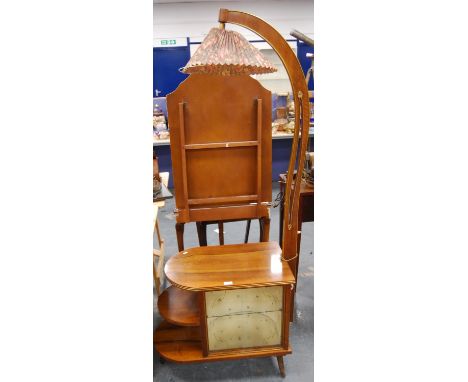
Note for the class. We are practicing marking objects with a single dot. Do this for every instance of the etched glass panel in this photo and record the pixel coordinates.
(244, 330)
(225, 302)
(244, 318)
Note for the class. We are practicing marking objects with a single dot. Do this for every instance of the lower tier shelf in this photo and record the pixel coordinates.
(167, 332)
(183, 345)
(191, 351)
(179, 307)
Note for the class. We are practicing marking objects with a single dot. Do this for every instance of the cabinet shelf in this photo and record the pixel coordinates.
(211, 319)
(179, 307)
(167, 332)
(189, 352)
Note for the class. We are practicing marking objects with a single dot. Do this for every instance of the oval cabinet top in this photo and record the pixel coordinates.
(229, 267)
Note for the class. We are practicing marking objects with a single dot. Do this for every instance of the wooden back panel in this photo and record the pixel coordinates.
(220, 147)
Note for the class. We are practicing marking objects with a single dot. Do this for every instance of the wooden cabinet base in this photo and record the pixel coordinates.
(183, 344)
(171, 346)
(225, 303)
(191, 352)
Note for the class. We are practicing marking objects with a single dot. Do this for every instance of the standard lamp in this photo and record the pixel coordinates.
(225, 52)
(235, 301)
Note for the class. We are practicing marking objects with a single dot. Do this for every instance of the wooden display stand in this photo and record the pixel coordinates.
(233, 301)
(226, 302)
(221, 152)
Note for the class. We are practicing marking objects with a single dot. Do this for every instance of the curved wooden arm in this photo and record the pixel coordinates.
(301, 100)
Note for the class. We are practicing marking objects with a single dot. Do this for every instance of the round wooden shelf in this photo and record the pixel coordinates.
(191, 351)
(179, 307)
(167, 332)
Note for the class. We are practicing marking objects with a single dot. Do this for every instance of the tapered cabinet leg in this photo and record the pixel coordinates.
(281, 365)
(180, 235)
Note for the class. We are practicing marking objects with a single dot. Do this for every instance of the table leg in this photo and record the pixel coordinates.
(180, 235)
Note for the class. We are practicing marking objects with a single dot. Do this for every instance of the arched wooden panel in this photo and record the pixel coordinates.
(221, 147)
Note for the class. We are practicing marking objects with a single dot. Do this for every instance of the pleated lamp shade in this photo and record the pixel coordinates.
(227, 53)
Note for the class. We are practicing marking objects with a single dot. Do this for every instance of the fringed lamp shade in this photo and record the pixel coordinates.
(227, 53)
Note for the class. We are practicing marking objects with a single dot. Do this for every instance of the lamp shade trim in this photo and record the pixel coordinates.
(227, 52)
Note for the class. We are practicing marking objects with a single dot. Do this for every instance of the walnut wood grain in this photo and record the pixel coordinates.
(223, 200)
(220, 146)
(225, 213)
(191, 351)
(179, 307)
(229, 267)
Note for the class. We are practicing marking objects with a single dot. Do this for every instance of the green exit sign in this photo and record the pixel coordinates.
(168, 42)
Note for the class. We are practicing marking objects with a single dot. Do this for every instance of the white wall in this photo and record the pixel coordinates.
(194, 20)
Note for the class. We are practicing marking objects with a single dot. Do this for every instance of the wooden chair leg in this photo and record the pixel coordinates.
(201, 232)
(221, 233)
(205, 227)
(158, 234)
(247, 231)
(180, 235)
(281, 365)
(158, 260)
(155, 278)
(260, 225)
(265, 229)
